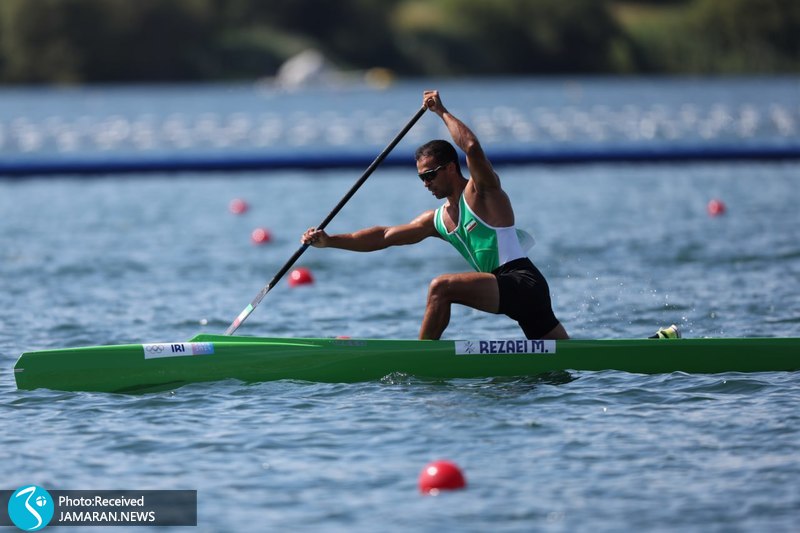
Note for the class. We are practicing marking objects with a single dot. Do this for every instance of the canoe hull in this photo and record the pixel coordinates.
(147, 367)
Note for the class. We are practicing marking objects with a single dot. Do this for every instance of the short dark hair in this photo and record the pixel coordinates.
(441, 151)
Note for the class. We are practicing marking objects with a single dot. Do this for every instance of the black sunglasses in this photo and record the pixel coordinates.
(429, 175)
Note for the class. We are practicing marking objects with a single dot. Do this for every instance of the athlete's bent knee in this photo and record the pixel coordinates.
(440, 288)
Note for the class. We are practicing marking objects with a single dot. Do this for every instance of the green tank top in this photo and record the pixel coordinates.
(484, 247)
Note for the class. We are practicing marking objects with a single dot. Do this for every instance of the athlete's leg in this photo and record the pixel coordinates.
(557, 333)
(474, 289)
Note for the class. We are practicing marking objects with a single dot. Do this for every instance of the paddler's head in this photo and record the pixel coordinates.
(438, 166)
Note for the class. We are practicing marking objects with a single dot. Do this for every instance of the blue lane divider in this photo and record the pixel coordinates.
(330, 160)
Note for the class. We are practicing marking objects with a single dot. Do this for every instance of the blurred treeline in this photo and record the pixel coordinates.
(80, 41)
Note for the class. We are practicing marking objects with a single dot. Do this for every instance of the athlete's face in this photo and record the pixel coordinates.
(432, 175)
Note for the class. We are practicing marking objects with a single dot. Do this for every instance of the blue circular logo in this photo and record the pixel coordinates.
(31, 508)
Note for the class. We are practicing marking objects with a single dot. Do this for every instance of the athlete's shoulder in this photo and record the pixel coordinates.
(426, 220)
(426, 216)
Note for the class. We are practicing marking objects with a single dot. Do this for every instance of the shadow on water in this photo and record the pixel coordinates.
(504, 384)
(520, 383)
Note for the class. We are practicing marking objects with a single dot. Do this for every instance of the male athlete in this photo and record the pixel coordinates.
(478, 220)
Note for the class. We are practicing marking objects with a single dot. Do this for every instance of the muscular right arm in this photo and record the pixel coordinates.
(483, 175)
(375, 238)
(483, 192)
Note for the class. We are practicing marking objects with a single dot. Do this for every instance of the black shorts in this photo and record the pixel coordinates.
(525, 297)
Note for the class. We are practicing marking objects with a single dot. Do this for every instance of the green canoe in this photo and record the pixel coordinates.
(160, 366)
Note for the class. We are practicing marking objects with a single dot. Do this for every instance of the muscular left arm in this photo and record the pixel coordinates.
(376, 237)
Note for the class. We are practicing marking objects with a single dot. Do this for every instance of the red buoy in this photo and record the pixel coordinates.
(238, 206)
(440, 475)
(716, 207)
(260, 236)
(300, 276)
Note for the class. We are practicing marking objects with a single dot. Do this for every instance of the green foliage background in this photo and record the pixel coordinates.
(81, 41)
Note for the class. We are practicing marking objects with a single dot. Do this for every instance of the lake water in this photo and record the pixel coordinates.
(626, 248)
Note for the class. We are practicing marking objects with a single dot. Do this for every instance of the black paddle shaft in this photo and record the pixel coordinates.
(292, 260)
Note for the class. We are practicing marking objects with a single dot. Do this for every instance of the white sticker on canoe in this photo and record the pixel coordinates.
(505, 347)
(177, 349)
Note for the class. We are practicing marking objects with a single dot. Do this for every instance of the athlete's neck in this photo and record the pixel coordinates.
(457, 191)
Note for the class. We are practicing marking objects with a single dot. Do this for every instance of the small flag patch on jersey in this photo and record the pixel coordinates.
(471, 226)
